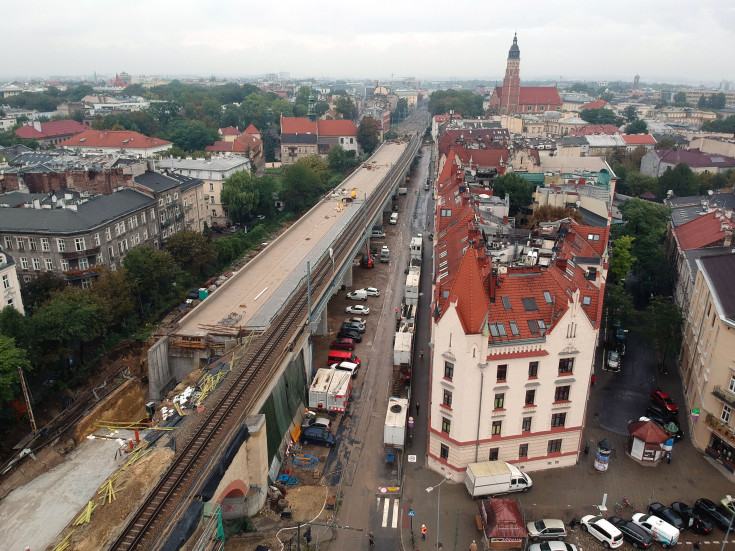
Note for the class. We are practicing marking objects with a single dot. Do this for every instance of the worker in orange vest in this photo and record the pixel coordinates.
(423, 531)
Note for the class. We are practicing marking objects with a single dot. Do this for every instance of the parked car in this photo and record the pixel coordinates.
(603, 530)
(613, 361)
(342, 344)
(349, 334)
(357, 295)
(353, 327)
(692, 520)
(665, 513)
(661, 530)
(661, 398)
(546, 529)
(719, 515)
(660, 411)
(371, 291)
(553, 546)
(395, 207)
(678, 435)
(322, 422)
(637, 536)
(318, 435)
(620, 347)
(358, 309)
(361, 321)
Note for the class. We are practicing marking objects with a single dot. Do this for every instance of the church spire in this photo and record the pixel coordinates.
(312, 104)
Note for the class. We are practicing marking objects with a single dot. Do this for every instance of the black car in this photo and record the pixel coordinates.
(660, 411)
(665, 513)
(691, 519)
(662, 422)
(395, 208)
(719, 516)
(346, 334)
(318, 435)
(353, 326)
(637, 536)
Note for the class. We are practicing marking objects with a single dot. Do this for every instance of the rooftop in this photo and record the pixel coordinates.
(718, 271)
(119, 139)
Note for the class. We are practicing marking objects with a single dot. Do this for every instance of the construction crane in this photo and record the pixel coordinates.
(27, 397)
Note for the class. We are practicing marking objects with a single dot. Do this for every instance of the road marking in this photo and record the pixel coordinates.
(386, 510)
(395, 513)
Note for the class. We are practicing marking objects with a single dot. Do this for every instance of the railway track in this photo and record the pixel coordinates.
(153, 523)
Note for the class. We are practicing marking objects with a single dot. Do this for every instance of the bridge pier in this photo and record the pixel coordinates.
(322, 325)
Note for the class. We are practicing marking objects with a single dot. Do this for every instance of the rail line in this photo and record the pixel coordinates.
(180, 485)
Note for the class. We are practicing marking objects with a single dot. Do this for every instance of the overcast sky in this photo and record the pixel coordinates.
(675, 41)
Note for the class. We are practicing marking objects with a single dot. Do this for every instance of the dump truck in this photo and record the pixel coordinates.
(489, 478)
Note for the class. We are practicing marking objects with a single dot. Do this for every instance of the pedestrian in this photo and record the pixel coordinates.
(423, 531)
(421, 354)
(696, 546)
(668, 458)
(473, 546)
(417, 408)
(594, 380)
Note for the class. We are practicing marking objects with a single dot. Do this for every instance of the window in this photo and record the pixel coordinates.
(160, 200)
(6, 282)
(33, 244)
(562, 393)
(61, 245)
(533, 326)
(446, 424)
(64, 265)
(502, 372)
(529, 304)
(731, 388)
(446, 213)
(145, 235)
(532, 370)
(448, 370)
(586, 301)
(24, 262)
(523, 450)
(493, 455)
(506, 303)
(514, 328)
(21, 243)
(526, 425)
(49, 264)
(447, 401)
(8, 243)
(499, 401)
(79, 244)
(99, 261)
(547, 297)
(83, 263)
(168, 202)
(726, 413)
(497, 329)
(111, 252)
(541, 325)
(211, 188)
(142, 217)
(497, 428)
(36, 264)
(96, 240)
(554, 446)
(566, 365)
(44, 244)
(558, 419)
(444, 451)
(530, 397)
(108, 234)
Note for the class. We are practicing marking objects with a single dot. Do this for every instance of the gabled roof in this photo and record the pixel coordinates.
(694, 158)
(703, 231)
(339, 127)
(597, 104)
(229, 131)
(539, 94)
(485, 158)
(220, 147)
(638, 139)
(246, 143)
(51, 129)
(648, 431)
(469, 292)
(251, 129)
(595, 129)
(297, 125)
(113, 139)
(718, 270)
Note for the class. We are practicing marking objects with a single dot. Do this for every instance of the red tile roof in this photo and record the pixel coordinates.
(113, 139)
(597, 104)
(461, 137)
(251, 129)
(246, 143)
(484, 158)
(51, 129)
(638, 139)
(473, 276)
(336, 128)
(297, 125)
(229, 131)
(704, 231)
(539, 94)
(220, 147)
(589, 129)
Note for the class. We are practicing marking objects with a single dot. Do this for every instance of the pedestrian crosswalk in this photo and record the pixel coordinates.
(389, 508)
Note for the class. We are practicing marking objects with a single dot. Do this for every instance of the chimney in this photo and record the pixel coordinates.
(37, 126)
(728, 238)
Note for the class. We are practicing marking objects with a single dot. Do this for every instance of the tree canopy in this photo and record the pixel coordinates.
(191, 250)
(721, 125)
(519, 189)
(346, 107)
(241, 196)
(463, 102)
(630, 113)
(11, 358)
(638, 126)
(300, 187)
(598, 116)
(368, 133)
(681, 180)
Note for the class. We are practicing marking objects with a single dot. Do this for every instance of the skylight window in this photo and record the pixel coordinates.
(547, 297)
(506, 303)
(514, 329)
(586, 301)
(533, 327)
(497, 330)
(529, 304)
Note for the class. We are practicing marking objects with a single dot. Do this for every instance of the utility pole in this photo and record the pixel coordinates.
(27, 397)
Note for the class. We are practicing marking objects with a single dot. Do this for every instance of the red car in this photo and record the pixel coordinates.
(664, 400)
(342, 344)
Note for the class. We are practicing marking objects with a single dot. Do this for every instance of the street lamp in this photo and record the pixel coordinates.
(438, 502)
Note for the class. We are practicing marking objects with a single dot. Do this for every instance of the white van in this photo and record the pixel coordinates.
(347, 366)
(379, 234)
(603, 530)
(661, 531)
(393, 219)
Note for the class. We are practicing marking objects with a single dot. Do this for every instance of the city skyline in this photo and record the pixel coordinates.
(663, 42)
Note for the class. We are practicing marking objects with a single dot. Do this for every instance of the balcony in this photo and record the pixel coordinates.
(165, 223)
(94, 251)
(724, 395)
(721, 428)
(74, 275)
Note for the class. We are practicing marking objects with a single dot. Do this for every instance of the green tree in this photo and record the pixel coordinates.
(321, 107)
(192, 252)
(319, 167)
(664, 144)
(681, 180)
(11, 358)
(300, 187)
(638, 126)
(368, 134)
(15, 325)
(630, 113)
(340, 160)
(40, 289)
(680, 98)
(519, 189)
(462, 102)
(268, 187)
(662, 325)
(232, 116)
(153, 274)
(644, 218)
(115, 290)
(619, 305)
(240, 195)
(598, 116)
(346, 107)
(582, 88)
(622, 261)
(721, 125)
(637, 183)
(192, 135)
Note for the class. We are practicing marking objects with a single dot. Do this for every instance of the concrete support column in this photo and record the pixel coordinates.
(347, 278)
(322, 325)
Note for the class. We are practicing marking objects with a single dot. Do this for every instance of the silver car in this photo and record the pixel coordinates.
(546, 529)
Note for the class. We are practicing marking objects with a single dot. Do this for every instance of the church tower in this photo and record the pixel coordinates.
(512, 81)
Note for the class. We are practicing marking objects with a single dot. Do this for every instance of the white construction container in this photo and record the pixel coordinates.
(394, 432)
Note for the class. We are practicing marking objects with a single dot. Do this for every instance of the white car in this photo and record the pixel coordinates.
(372, 291)
(603, 530)
(358, 309)
(613, 361)
(361, 321)
(661, 530)
(553, 546)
